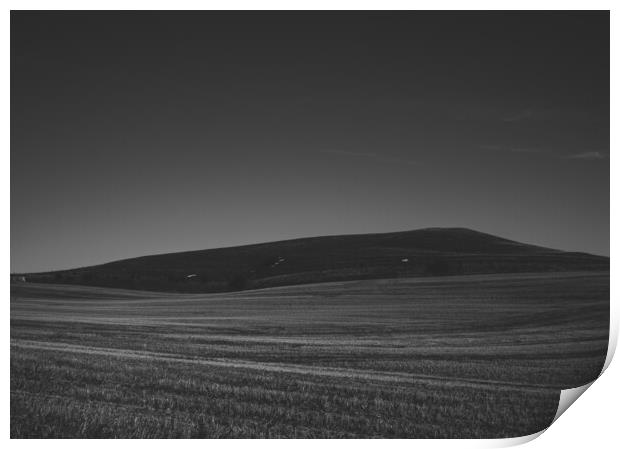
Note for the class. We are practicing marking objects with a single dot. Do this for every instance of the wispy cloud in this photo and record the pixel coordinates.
(371, 155)
(508, 149)
(588, 155)
(518, 116)
(491, 147)
(527, 150)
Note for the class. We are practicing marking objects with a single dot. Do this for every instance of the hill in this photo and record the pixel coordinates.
(424, 252)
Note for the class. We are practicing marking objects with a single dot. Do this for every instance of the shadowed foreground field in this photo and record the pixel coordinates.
(464, 356)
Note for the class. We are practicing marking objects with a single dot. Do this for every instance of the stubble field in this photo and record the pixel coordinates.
(456, 357)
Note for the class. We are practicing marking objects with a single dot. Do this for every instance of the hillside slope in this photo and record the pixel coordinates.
(424, 252)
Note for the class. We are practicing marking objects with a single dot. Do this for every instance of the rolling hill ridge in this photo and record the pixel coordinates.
(423, 252)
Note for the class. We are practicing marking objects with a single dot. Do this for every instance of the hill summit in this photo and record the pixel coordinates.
(423, 252)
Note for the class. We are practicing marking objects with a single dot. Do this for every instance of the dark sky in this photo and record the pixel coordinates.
(142, 133)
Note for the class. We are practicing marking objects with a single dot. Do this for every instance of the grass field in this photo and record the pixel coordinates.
(463, 356)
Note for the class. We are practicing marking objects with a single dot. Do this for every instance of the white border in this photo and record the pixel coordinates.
(312, 5)
(591, 422)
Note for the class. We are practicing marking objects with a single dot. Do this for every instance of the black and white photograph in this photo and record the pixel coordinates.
(332, 224)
